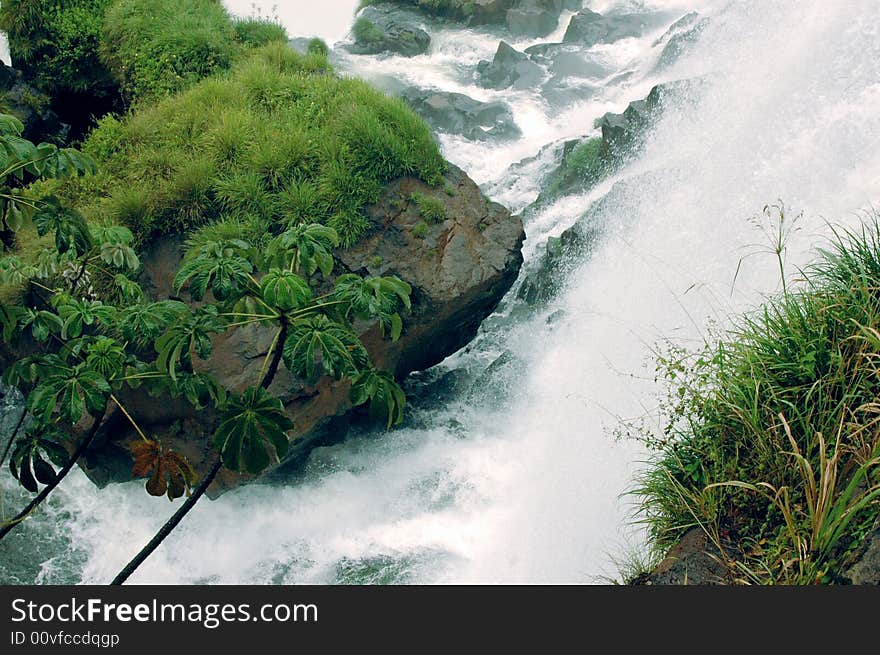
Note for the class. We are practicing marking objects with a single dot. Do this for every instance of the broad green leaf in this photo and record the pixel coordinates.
(250, 424)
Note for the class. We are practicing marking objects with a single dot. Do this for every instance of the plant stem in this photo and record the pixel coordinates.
(13, 435)
(80, 449)
(190, 502)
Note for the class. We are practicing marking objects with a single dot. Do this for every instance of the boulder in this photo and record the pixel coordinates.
(456, 113)
(692, 561)
(32, 107)
(866, 568)
(459, 270)
(509, 67)
(680, 36)
(381, 29)
(588, 28)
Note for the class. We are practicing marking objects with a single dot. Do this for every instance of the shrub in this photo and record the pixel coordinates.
(257, 32)
(769, 441)
(55, 42)
(430, 208)
(158, 47)
(278, 142)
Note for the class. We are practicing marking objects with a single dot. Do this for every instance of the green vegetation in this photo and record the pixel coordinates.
(430, 208)
(420, 231)
(97, 333)
(257, 32)
(279, 141)
(365, 31)
(157, 47)
(584, 166)
(55, 43)
(770, 441)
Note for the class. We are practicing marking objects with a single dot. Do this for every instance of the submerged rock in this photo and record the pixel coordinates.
(680, 36)
(456, 113)
(384, 29)
(459, 270)
(509, 67)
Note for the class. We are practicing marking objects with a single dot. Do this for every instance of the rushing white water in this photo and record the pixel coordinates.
(512, 473)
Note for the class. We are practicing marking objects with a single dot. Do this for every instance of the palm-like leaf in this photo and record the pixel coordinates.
(141, 324)
(385, 395)
(70, 228)
(218, 265)
(375, 298)
(72, 390)
(284, 290)
(306, 248)
(318, 344)
(251, 423)
(106, 357)
(190, 335)
(77, 315)
(172, 474)
(32, 458)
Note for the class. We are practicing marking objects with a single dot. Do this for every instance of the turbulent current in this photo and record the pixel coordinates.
(508, 469)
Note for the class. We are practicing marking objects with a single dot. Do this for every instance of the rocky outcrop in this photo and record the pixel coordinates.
(31, 107)
(459, 270)
(692, 561)
(865, 569)
(456, 113)
(534, 18)
(509, 67)
(381, 29)
(679, 37)
(588, 28)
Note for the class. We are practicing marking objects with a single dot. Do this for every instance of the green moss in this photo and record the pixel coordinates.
(431, 209)
(365, 31)
(280, 140)
(420, 231)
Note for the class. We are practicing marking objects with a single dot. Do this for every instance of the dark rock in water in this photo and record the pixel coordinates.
(534, 18)
(680, 36)
(459, 271)
(381, 29)
(32, 107)
(588, 28)
(510, 67)
(457, 113)
(621, 132)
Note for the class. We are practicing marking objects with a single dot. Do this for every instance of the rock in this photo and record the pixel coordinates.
(588, 28)
(459, 271)
(693, 561)
(866, 569)
(680, 36)
(383, 29)
(534, 18)
(32, 107)
(510, 67)
(457, 113)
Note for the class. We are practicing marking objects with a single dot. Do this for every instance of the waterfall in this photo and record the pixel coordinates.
(508, 469)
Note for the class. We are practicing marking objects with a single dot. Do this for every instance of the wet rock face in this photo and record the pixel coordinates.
(509, 67)
(381, 29)
(588, 28)
(456, 113)
(459, 270)
(693, 561)
(680, 36)
(31, 107)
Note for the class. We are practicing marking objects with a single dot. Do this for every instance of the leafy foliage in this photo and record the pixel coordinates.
(375, 298)
(250, 424)
(71, 390)
(33, 456)
(187, 336)
(170, 472)
(320, 345)
(219, 266)
(384, 394)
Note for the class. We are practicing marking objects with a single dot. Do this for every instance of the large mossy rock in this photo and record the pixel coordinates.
(456, 113)
(459, 269)
(386, 29)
